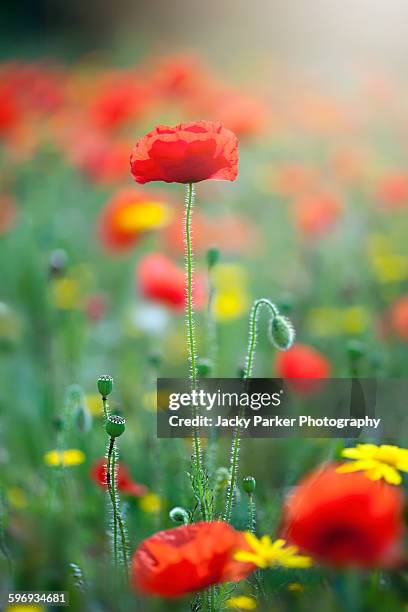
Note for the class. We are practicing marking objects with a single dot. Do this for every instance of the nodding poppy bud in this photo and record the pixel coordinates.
(57, 262)
(179, 515)
(115, 426)
(282, 333)
(204, 368)
(249, 484)
(105, 384)
(213, 257)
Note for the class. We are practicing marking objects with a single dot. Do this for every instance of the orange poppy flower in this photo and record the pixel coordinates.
(399, 317)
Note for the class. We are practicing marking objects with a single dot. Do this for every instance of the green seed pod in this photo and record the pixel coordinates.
(281, 332)
(105, 384)
(179, 515)
(115, 425)
(249, 484)
(204, 368)
(213, 256)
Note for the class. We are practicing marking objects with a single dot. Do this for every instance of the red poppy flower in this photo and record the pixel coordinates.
(345, 519)
(161, 280)
(127, 216)
(302, 365)
(189, 558)
(316, 214)
(392, 191)
(186, 153)
(123, 479)
(399, 317)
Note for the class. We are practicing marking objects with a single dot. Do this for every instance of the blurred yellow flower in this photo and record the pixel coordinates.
(231, 296)
(65, 293)
(265, 553)
(150, 401)
(295, 587)
(355, 320)
(17, 498)
(143, 216)
(331, 321)
(94, 404)
(150, 503)
(69, 457)
(230, 305)
(377, 462)
(390, 268)
(241, 602)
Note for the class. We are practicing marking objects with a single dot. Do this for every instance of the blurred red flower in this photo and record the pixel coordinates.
(118, 100)
(161, 280)
(345, 519)
(127, 216)
(123, 479)
(399, 317)
(392, 191)
(303, 365)
(189, 558)
(186, 153)
(316, 214)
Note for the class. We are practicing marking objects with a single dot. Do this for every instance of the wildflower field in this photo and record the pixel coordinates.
(164, 217)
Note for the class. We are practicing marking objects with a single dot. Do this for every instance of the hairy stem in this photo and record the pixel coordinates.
(198, 472)
(253, 333)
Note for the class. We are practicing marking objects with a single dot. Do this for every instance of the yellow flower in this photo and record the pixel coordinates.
(143, 216)
(94, 404)
(150, 503)
(355, 320)
(242, 602)
(65, 293)
(376, 462)
(265, 553)
(231, 297)
(390, 268)
(69, 457)
(17, 498)
(323, 321)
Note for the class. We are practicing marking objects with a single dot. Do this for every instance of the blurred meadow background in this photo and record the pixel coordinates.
(92, 265)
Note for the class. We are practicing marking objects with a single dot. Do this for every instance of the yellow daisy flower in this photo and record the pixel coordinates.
(265, 553)
(69, 457)
(241, 602)
(377, 462)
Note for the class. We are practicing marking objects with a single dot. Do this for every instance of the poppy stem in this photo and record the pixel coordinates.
(117, 519)
(252, 338)
(198, 473)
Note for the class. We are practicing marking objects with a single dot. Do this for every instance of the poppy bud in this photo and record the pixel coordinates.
(249, 484)
(282, 333)
(179, 515)
(115, 426)
(204, 368)
(213, 256)
(105, 384)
